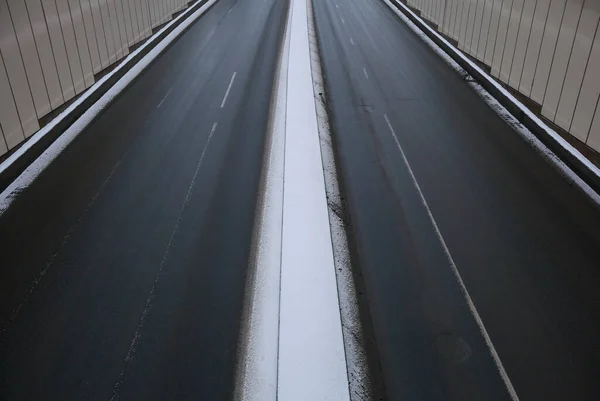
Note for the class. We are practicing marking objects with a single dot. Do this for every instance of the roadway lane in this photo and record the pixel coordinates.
(526, 243)
(123, 264)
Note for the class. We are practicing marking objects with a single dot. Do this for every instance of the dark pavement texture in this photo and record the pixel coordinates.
(138, 276)
(526, 243)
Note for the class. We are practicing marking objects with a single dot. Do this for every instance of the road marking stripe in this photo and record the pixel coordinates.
(164, 98)
(228, 89)
(473, 309)
(149, 301)
(365, 72)
(352, 41)
(343, 22)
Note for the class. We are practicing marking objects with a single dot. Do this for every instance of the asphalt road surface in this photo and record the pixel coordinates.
(123, 264)
(525, 242)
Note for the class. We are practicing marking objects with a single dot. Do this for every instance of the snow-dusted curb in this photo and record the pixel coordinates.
(356, 357)
(256, 376)
(575, 167)
(22, 167)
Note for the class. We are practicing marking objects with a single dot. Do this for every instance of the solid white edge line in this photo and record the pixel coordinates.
(343, 22)
(256, 375)
(228, 89)
(352, 41)
(352, 330)
(365, 72)
(34, 169)
(509, 386)
(502, 112)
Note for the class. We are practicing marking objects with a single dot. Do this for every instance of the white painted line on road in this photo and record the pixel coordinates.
(352, 41)
(365, 72)
(343, 22)
(336, 6)
(228, 89)
(61, 143)
(312, 361)
(149, 302)
(164, 98)
(256, 376)
(472, 308)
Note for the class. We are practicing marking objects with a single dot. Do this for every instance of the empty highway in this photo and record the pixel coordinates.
(124, 263)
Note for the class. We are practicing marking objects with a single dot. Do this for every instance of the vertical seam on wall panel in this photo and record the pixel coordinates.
(137, 26)
(554, 51)
(65, 43)
(466, 23)
(497, 33)
(527, 44)
(139, 16)
(487, 35)
(474, 22)
(125, 25)
(505, 38)
(104, 32)
(12, 23)
(517, 40)
(542, 43)
(562, 87)
(150, 13)
(88, 39)
(76, 42)
(455, 16)
(39, 57)
(112, 29)
(12, 92)
(53, 54)
(139, 12)
(583, 76)
(3, 137)
(587, 137)
(460, 23)
(444, 8)
(497, 30)
(126, 44)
